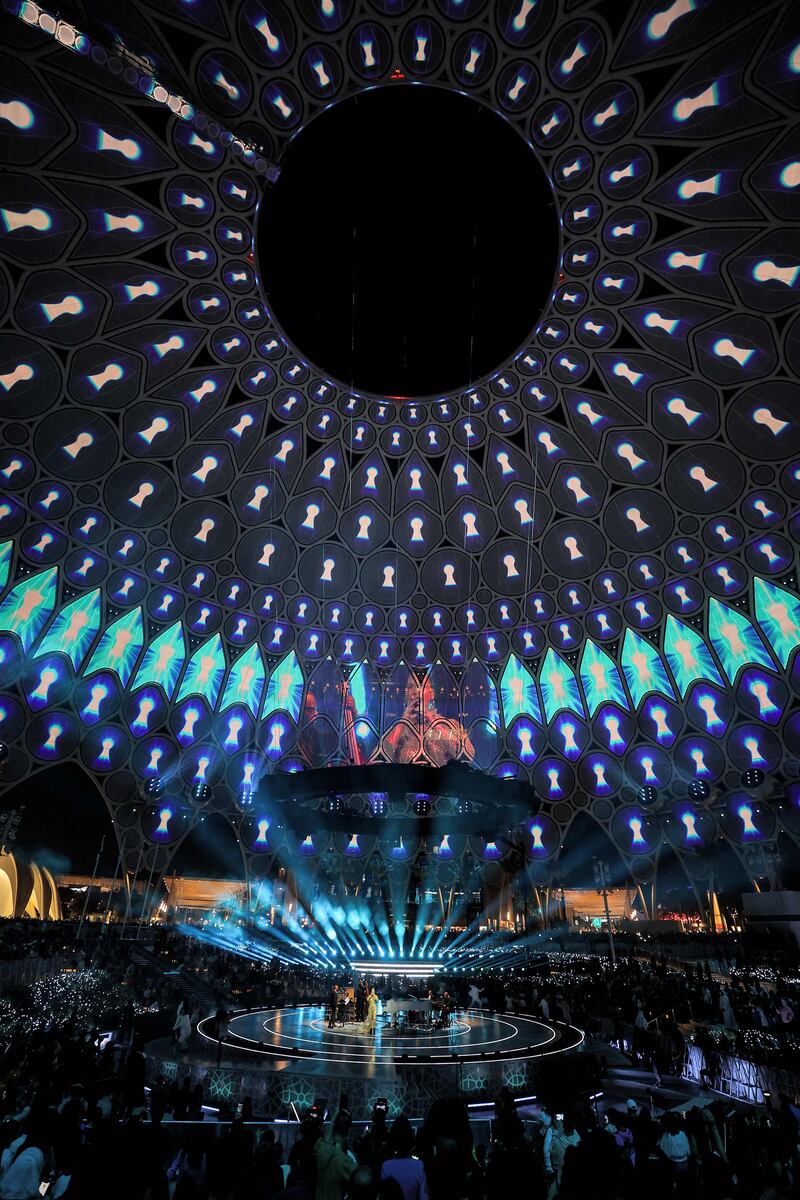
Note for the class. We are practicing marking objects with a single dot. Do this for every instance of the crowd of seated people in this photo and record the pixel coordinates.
(97, 1139)
(221, 971)
(646, 1000)
(75, 1108)
(645, 993)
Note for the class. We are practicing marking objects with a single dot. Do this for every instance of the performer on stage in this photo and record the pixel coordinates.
(333, 1004)
(372, 1011)
(361, 1001)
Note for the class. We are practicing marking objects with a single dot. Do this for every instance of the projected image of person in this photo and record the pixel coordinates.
(321, 716)
(353, 749)
(444, 737)
(318, 739)
(401, 716)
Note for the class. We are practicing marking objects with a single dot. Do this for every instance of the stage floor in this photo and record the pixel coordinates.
(300, 1033)
(285, 1059)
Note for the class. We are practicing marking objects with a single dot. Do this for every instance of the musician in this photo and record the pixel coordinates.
(333, 1005)
(344, 1008)
(361, 1000)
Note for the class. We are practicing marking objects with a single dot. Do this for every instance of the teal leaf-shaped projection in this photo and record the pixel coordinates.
(285, 689)
(559, 686)
(518, 692)
(73, 629)
(163, 660)
(119, 647)
(735, 639)
(204, 672)
(778, 614)
(246, 681)
(5, 562)
(27, 606)
(644, 670)
(688, 656)
(600, 678)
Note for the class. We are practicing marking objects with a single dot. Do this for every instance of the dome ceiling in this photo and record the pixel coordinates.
(581, 569)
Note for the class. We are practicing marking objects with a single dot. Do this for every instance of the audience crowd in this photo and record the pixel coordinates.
(78, 1113)
(644, 1003)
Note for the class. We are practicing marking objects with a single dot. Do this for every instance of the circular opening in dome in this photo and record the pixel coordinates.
(410, 244)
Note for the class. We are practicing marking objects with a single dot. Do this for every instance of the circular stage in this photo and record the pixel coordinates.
(285, 1059)
(301, 1032)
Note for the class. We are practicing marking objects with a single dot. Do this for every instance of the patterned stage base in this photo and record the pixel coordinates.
(280, 1057)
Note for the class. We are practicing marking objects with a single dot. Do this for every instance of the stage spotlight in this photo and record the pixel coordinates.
(154, 787)
(422, 806)
(245, 797)
(4, 752)
(753, 778)
(647, 794)
(201, 793)
(699, 789)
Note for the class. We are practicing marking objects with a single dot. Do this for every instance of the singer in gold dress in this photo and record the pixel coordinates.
(372, 1011)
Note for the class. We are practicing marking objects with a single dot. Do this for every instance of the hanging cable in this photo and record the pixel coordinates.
(473, 571)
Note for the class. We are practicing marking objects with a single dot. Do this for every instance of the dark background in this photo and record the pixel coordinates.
(410, 243)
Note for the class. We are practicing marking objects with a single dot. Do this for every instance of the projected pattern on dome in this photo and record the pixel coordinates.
(217, 563)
